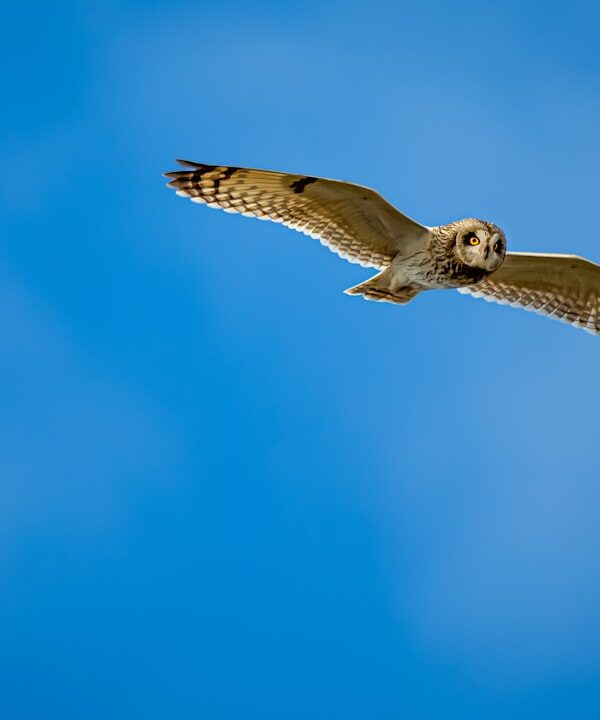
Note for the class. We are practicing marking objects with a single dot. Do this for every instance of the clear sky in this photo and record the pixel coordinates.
(229, 491)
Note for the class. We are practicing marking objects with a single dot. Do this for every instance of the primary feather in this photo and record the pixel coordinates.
(361, 226)
(353, 221)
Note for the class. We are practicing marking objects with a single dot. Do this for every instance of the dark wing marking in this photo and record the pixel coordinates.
(353, 221)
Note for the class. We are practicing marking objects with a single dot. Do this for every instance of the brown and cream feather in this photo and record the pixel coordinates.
(353, 221)
(564, 287)
(361, 226)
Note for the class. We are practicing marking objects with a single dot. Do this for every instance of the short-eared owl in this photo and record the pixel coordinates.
(360, 226)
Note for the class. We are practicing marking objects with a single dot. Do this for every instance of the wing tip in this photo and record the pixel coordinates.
(189, 163)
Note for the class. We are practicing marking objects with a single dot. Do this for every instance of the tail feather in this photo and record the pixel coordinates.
(379, 288)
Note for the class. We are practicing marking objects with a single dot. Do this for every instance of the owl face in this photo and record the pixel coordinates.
(480, 245)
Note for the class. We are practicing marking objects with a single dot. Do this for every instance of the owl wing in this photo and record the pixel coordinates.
(565, 287)
(352, 221)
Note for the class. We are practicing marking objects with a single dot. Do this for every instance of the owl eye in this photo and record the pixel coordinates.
(498, 248)
(472, 239)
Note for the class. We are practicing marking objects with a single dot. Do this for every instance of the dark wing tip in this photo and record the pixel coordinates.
(180, 174)
(177, 180)
(186, 174)
(190, 164)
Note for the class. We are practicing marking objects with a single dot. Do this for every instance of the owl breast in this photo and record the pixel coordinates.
(456, 274)
(430, 271)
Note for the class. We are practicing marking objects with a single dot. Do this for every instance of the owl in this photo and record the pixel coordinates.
(360, 226)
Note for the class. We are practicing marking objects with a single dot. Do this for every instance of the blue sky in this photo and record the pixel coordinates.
(228, 490)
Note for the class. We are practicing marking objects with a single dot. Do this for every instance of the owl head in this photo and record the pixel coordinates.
(480, 244)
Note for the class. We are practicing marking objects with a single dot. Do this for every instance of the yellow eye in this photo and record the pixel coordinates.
(474, 240)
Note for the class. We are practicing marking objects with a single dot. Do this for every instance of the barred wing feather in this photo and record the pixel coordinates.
(564, 287)
(353, 221)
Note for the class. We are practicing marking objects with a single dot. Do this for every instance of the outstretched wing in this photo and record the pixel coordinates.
(353, 221)
(565, 287)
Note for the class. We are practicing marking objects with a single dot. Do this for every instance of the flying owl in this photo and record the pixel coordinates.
(360, 226)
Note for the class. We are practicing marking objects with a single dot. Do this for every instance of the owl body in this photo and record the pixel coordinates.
(459, 254)
(360, 226)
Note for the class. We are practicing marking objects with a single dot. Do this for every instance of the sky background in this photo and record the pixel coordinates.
(227, 490)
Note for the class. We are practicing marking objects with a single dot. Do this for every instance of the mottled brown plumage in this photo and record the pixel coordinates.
(360, 226)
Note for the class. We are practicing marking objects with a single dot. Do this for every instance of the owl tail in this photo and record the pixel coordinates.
(379, 288)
